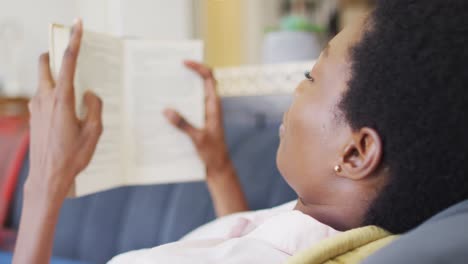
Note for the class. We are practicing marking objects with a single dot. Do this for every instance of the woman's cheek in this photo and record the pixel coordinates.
(290, 159)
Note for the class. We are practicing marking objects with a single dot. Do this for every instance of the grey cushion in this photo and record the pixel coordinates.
(99, 226)
(442, 239)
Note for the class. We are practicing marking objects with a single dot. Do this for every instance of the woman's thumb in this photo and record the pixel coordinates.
(92, 122)
(91, 128)
(93, 105)
(178, 121)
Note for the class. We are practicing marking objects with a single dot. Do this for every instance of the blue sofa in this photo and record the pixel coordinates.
(94, 228)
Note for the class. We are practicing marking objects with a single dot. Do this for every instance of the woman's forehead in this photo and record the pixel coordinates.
(334, 59)
(340, 45)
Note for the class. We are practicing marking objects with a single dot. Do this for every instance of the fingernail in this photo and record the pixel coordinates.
(168, 113)
(73, 26)
(76, 21)
(87, 93)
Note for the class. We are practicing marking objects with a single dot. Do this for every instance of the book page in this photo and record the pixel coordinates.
(99, 69)
(156, 78)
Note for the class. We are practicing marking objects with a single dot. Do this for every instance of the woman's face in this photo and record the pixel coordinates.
(313, 133)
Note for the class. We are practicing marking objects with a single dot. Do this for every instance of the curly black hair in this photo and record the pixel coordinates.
(410, 83)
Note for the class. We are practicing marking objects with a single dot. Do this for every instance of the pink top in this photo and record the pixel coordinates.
(265, 236)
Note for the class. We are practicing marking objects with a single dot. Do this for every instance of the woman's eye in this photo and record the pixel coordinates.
(308, 76)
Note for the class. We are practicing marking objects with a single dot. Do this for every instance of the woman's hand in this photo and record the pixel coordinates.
(61, 144)
(222, 180)
(209, 141)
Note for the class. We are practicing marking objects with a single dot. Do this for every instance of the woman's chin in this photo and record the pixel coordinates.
(281, 161)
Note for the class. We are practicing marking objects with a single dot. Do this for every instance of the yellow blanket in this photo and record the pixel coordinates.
(348, 247)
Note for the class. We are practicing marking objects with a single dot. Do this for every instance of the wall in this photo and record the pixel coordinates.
(222, 31)
(259, 15)
(233, 29)
(32, 19)
(157, 19)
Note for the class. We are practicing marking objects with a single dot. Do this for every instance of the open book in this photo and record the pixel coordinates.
(136, 79)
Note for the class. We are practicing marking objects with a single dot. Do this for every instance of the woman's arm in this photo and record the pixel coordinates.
(226, 191)
(61, 146)
(36, 232)
(223, 183)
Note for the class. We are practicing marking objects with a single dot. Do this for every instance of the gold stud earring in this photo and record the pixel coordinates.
(337, 168)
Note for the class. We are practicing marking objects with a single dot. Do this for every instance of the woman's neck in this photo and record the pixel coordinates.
(339, 217)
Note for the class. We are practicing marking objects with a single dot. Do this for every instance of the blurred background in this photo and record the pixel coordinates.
(236, 32)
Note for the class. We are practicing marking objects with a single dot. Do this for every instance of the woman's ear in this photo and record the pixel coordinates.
(362, 156)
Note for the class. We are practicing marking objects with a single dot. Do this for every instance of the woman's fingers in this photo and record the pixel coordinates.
(208, 141)
(46, 81)
(207, 75)
(201, 69)
(67, 70)
(212, 101)
(178, 121)
(91, 126)
(93, 118)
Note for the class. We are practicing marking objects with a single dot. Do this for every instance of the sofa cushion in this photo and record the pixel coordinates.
(441, 239)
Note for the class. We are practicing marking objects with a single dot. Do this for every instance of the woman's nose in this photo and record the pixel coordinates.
(299, 88)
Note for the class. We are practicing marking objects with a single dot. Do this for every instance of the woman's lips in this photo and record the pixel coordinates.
(282, 129)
